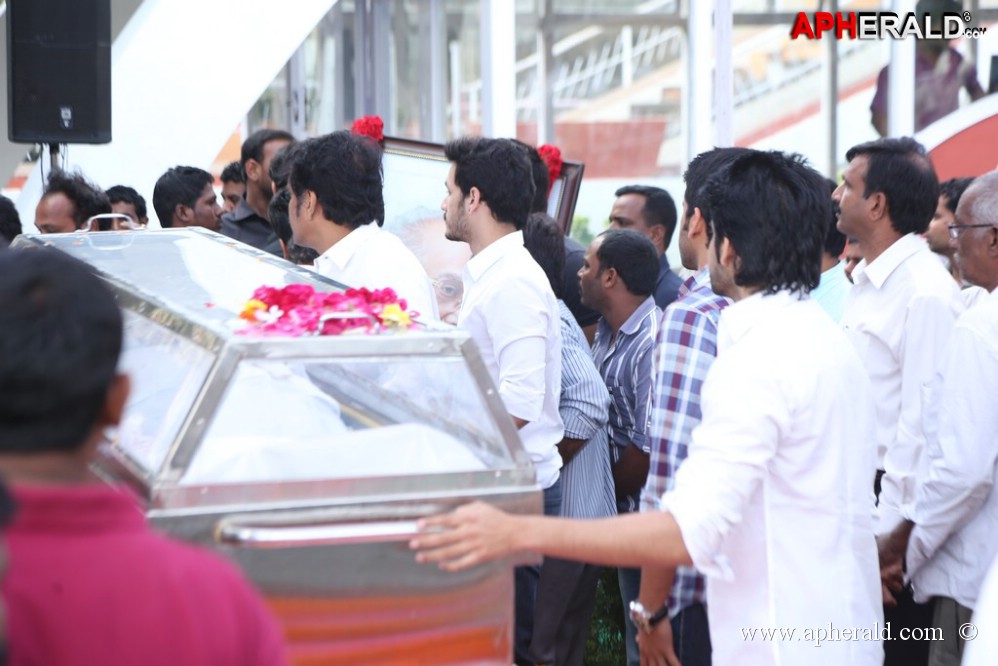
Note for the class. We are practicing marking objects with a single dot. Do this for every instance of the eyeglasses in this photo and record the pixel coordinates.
(110, 222)
(954, 229)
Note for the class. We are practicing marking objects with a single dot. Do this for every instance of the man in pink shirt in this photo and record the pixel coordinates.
(89, 582)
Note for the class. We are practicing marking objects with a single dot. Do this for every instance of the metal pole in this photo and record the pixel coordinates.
(724, 74)
(829, 99)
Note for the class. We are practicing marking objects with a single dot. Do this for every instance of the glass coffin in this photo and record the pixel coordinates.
(309, 460)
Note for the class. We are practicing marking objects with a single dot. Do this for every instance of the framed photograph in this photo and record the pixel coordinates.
(415, 173)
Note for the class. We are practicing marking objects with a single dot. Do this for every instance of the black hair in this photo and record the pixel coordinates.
(773, 209)
(953, 189)
(277, 215)
(659, 207)
(254, 143)
(544, 241)
(181, 185)
(901, 170)
(233, 173)
(88, 199)
(280, 166)
(344, 171)
(10, 220)
(633, 256)
(542, 180)
(699, 170)
(500, 170)
(835, 240)
(60, 338)
(126, 194)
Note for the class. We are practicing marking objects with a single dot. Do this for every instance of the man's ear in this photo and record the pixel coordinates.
(253, 170)
(657, 232)
(114, 403)
(609, 277)
(473, 200)
(696, 226)
(309, 204)
(728, 255)
(877, 203)
(992, 242)
(182, 215)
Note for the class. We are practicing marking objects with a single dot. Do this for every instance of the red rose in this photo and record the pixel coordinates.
(370, 126)
(552, 158)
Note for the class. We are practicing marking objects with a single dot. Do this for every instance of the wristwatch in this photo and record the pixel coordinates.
(644, 620)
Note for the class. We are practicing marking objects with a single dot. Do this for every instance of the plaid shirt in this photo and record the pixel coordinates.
(684, 351)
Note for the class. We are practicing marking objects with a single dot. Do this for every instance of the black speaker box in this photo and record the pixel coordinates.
(59, 71)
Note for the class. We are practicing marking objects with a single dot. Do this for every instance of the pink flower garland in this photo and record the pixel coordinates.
(298, 309)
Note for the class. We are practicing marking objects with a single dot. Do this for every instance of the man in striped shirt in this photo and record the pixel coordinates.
(617, 279)
(684, 351)
(566, 589)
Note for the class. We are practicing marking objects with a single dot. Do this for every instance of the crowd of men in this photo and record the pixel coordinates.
(770, 444)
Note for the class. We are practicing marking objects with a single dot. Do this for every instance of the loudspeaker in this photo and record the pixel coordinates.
(59, 71)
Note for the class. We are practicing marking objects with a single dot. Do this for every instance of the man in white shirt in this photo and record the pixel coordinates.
(511, 313)
(899, 315)
(951, 532)
(773, 502)
(337, 209)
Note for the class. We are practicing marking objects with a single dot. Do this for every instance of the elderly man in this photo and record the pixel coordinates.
(950, 535)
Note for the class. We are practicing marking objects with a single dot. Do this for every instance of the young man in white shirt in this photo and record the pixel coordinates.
(337, 209)
(773, 502)
(511, 313)
(950, 535)
(899, 315)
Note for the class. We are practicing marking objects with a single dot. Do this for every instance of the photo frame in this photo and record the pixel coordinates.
(415, 172)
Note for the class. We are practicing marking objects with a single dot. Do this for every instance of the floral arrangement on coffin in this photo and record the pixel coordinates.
(298, 309)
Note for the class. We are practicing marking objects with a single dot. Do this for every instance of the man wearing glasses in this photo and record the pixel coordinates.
(68, 203)
(948, 537)
(899, 314)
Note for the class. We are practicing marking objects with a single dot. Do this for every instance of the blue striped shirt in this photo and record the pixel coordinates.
(685, 350)
(586, 479)
(625, 366)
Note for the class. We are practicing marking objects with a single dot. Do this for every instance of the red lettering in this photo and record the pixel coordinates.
(801, 27)
(845, 25)
(823, 22)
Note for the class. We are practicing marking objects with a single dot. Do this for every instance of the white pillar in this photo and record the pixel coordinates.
(699, 41)
(901, 88)
(498, 68)
(723, 74)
